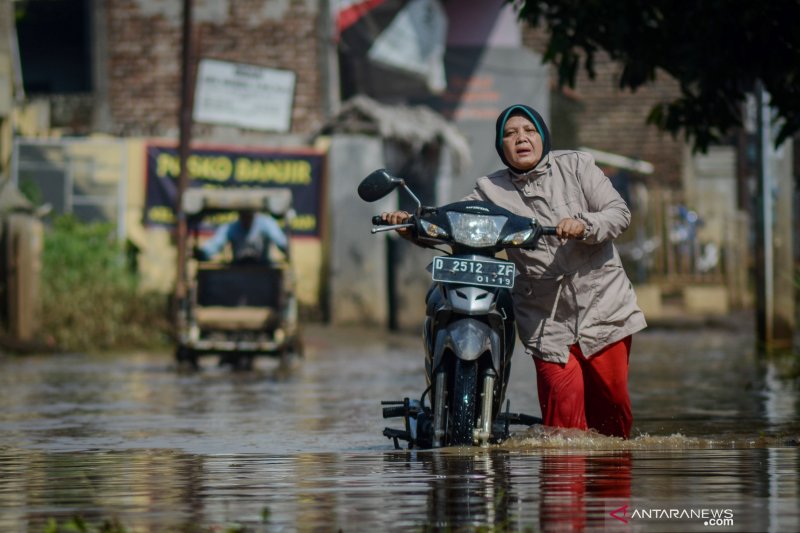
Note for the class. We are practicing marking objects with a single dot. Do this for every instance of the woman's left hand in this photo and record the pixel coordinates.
(570, 228)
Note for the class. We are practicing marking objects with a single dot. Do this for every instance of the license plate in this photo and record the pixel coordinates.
(473, 272)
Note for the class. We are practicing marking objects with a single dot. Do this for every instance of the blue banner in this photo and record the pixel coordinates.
(211, 167)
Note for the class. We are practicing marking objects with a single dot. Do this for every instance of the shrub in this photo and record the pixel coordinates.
(90, 298)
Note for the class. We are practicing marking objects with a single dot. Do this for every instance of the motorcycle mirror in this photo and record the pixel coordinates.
(377, 185)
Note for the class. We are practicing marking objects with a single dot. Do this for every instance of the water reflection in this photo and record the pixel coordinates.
(445, 490)
(579, 491)
(129, 438)
(465, 490)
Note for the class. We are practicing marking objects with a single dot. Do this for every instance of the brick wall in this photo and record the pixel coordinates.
(144, 56)
(608, 119)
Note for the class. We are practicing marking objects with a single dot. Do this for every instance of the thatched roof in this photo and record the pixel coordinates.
(412, 125)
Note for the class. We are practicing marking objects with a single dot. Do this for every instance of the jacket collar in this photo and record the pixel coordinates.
(541, 168)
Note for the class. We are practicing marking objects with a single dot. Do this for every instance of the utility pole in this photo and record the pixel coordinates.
(775, 303)
(185, 124)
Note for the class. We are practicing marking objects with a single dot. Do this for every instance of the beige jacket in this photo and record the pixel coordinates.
(576, 291)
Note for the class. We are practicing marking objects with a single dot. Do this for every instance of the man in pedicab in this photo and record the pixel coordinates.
(249, 236)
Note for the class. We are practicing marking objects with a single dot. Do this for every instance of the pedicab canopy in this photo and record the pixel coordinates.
(275, 201)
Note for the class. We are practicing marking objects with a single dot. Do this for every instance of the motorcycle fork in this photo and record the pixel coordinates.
(483, 432)
(439, 408)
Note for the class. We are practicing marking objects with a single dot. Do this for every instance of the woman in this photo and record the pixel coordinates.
(575, 307)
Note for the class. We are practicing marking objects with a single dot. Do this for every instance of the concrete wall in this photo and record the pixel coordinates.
(358, 290)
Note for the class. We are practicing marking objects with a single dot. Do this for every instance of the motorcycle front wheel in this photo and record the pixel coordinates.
(464, 400)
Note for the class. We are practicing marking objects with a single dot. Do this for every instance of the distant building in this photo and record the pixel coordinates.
(113, 68)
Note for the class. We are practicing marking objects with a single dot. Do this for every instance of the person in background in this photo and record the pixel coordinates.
(250, 237)
(574, 305)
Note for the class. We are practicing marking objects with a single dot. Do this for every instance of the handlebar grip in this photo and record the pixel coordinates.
(394, 411)
(548, 230)
(378, 221)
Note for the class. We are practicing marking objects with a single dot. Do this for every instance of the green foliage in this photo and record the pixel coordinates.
(77, 524)
(717, 50)
(31, 191)
(90, 299)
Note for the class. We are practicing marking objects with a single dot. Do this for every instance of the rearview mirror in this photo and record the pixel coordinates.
(377, 185)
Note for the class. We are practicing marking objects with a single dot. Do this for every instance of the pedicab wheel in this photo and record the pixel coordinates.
(290, 352)
(297, 347)
(186, 358)
(243, 363)
(238, 362)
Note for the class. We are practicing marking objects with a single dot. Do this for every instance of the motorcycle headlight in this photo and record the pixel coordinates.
(518, 238)
(432, 230)
(475, 230)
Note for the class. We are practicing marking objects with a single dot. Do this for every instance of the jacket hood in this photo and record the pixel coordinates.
(537, 120)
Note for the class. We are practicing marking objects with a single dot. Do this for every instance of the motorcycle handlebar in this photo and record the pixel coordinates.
(378, 221)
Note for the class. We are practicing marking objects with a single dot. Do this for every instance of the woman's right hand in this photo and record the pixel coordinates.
(398, 217)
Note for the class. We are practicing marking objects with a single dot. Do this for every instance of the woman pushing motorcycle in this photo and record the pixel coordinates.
(575, 307)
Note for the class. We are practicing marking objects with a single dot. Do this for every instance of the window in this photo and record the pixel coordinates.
(54, 45)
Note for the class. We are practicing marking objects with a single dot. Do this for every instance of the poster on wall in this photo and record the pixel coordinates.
(247, 96)
(212, 167)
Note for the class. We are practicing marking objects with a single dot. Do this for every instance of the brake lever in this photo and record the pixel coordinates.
(378, 229)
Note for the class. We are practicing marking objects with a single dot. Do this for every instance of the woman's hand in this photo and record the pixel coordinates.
(570, 228)
(397, 217)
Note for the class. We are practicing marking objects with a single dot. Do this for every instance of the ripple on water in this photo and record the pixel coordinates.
(543, 437)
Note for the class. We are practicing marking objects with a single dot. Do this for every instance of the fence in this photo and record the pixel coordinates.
(667, 246)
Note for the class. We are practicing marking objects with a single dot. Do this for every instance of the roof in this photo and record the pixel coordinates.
(412, 125)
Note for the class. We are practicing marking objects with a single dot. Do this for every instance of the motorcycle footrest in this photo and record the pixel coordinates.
(399, 433)
(396, 435)
(396, 409)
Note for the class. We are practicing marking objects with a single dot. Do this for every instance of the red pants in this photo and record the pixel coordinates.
(587, 393)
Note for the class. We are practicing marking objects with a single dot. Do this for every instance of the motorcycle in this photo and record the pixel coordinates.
(469, 331)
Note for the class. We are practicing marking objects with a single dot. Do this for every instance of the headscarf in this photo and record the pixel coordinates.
(537, 120)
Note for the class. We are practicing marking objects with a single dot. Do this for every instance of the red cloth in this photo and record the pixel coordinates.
(588, 393)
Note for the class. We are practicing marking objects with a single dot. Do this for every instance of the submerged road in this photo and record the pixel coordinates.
(127, 438)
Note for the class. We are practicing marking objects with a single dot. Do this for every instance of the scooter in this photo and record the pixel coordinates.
(469, 331)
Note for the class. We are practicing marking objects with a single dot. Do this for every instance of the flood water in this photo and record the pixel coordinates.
(129, 441)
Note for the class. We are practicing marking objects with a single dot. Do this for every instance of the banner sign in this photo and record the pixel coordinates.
(214, 168)
(247, 96)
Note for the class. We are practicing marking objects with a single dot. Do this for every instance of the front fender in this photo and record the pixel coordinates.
(468, 338)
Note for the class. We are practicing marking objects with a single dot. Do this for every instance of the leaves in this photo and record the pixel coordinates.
(715, 49)
(90, 299)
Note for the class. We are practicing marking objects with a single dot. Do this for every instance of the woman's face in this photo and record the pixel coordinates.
(522, 144)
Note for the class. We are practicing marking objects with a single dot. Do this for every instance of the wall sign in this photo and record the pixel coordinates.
(211, 167)
(241, 95)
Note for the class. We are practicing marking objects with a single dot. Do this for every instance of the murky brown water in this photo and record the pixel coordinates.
(131, 440)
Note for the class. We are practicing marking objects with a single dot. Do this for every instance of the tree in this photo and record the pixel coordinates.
(717, 50)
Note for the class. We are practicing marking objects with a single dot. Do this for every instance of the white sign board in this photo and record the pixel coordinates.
(241, 95)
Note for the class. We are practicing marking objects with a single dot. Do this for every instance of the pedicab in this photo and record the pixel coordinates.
(236, 311)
